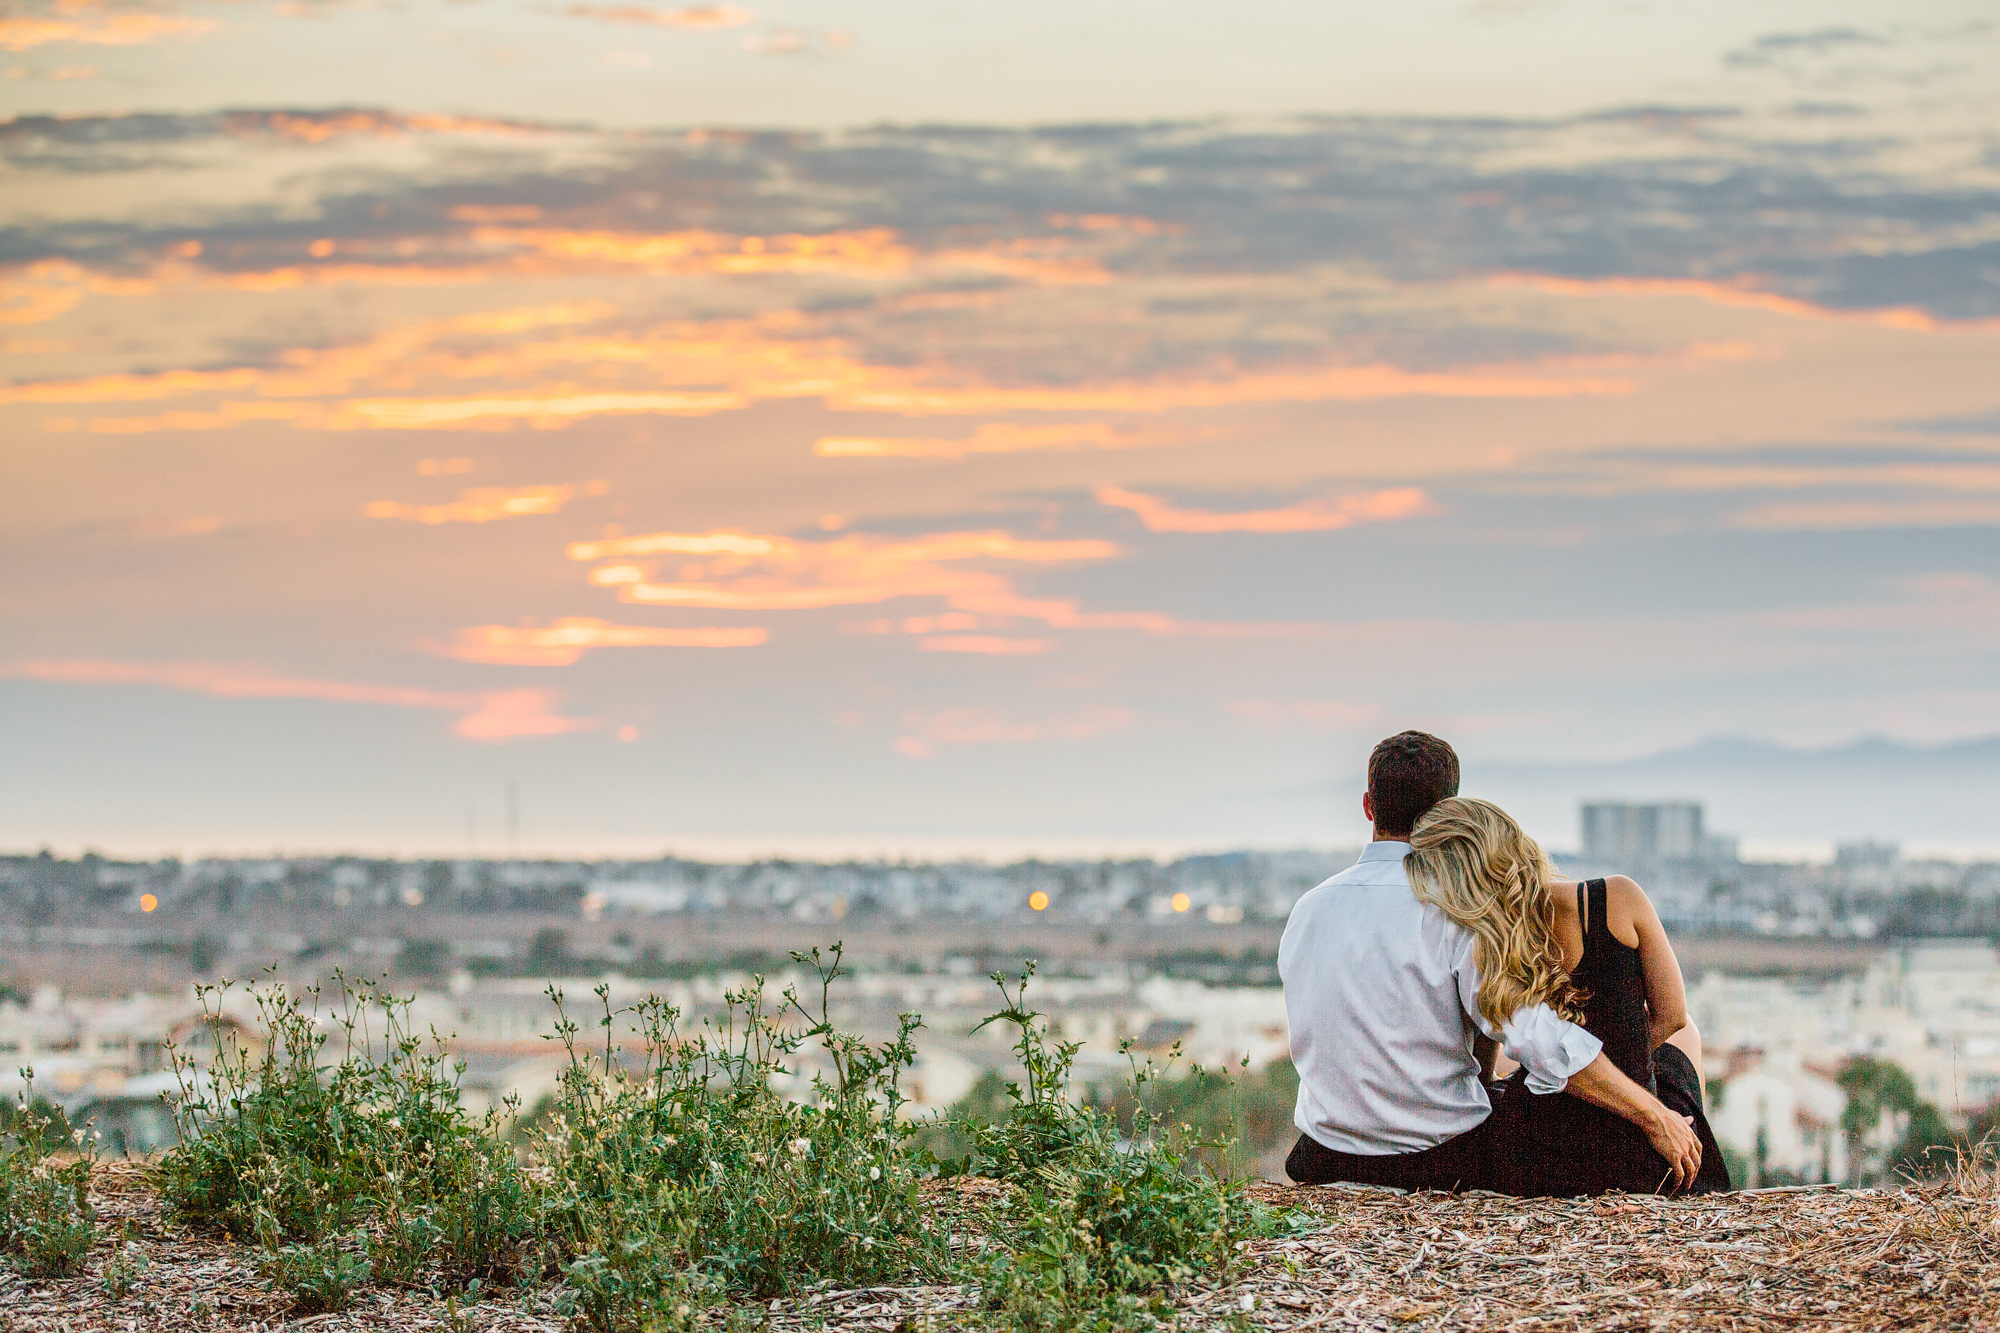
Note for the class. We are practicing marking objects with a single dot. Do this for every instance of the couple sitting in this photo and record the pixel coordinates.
(1452, 941)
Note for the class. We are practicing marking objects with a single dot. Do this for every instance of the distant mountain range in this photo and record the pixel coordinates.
(1871, 787)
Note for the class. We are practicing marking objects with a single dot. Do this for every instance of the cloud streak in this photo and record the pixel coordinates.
(484, 504)
(999, 437)
(1310, 516)
(565, 641)
(693, 18)
(1905, 319)
(24, 32)
(488, 715)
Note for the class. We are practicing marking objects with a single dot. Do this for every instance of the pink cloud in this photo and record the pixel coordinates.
(1737, 296)
(490, 715)
(569, 638)
(696, 18)
(1312, 516)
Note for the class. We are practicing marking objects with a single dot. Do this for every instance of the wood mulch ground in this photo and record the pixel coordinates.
(1824, 1260)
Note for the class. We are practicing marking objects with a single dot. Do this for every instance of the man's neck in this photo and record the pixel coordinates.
(1380, 836)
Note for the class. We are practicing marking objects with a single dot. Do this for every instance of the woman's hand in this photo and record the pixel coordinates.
(1602, 1083)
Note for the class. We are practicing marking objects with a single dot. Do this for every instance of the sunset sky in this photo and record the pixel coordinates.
(928, 427)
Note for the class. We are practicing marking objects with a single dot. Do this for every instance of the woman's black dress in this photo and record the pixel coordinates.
(1556, 1144)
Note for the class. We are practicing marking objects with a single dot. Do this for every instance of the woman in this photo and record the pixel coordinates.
(1596, 952)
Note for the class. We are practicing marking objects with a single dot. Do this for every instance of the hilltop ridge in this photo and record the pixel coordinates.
(1922, 1257)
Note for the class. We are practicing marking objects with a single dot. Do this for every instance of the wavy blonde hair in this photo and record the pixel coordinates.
(1471, 861)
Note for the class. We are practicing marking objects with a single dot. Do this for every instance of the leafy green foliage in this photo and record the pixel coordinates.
(46, 1222)
(1875, 1088)
(681, 1171)
(1104, 1215)
(280, 1146)
(321, 1277)
(122, 1272)
(690, 1176)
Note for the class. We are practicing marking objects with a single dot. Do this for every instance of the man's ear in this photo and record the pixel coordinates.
(1368, 807)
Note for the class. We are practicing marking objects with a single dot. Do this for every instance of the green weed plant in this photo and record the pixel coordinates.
(47, 1225)
(687, 1176)
(280, 1144)
(681, 1173)
(1104, 1219)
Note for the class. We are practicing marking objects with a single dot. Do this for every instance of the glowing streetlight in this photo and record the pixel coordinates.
(147, 902)
(1039, 901)
(1180, 902)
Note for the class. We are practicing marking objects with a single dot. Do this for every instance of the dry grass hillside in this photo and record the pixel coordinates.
(1921, 1257)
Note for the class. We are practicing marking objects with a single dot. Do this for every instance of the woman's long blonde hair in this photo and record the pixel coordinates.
(1472, 862)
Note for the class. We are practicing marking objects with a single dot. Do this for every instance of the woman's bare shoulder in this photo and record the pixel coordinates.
(1625, 906)
(1623, 891)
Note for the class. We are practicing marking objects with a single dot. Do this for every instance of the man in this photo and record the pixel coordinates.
(1381, 999)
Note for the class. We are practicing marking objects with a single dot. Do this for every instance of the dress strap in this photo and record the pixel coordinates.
(1597, 923)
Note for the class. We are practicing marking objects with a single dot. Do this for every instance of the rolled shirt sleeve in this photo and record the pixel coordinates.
(1544, 1043)
(1548, 1046)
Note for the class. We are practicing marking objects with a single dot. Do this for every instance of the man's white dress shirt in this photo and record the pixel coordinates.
(1381, 995)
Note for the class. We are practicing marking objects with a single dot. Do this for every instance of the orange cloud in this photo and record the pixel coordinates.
(681, 543)
(766, 572)
(688, 370)
(1337, 383)
(489, 715)
(19, 33)
(1312, 516)
(1115, 222)
(504, 715)
(984, 645)
(700, 18)
(566, 640)
(924, 732)
(1909, 319)
(785, 575)
(323, 126)
(549, 408)
(999, 437)
(481, 505)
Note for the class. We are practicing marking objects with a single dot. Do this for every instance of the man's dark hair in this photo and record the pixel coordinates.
(1407, 775)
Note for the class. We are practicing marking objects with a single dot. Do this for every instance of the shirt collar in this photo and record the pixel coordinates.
(1385, 851)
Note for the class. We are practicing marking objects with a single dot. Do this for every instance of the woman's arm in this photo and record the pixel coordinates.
(1666, 993)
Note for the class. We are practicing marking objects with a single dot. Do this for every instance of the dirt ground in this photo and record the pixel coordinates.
(1920, 1258)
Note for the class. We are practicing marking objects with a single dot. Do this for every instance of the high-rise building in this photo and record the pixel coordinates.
(1624, 833)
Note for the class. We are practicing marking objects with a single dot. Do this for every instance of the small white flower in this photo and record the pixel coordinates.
(670, 1140)
(874, 1173)
(800, 1147)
